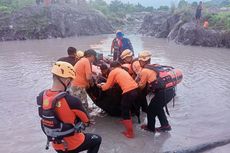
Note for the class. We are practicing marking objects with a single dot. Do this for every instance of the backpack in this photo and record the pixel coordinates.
(126, 44)
(53, 128)
(167, 77)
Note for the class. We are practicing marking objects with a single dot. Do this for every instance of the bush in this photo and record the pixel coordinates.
(163, 8)
(219, 20)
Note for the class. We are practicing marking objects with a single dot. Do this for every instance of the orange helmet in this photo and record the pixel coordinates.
(63, 69)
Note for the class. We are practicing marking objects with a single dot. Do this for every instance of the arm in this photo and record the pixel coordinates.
(77, 108)
(143, 80)
(88, 73)
(110, 81)
(112, 47)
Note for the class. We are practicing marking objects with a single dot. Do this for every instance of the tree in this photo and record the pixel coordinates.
(194, 4)
(173, 7)
(163, 8)
(182, 4)
(225, 3)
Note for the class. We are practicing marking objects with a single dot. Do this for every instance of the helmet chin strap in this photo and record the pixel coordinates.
(65, 86)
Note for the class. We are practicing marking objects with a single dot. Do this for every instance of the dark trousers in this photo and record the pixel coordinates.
(92, 144)
(155, 108)
(127, 102)
(115, 55)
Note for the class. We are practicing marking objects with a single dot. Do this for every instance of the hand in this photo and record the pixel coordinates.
(99, 85)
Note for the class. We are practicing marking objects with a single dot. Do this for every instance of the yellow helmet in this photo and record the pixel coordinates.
(80, 54)
(144, 55)
(63, 69)
(126, 53)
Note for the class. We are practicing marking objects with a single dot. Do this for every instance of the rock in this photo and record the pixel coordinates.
(158, 24)
(57, 20)
(174, 32)
(190, 34)
(226, 39)
(152, 23)
(181, 28)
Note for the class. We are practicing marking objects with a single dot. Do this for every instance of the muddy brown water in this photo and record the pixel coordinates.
(201, 113)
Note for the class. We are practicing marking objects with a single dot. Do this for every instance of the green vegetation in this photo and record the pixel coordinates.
(219, 20)
(10, 5)
(218, 3)
(117, 9)
(163, 8)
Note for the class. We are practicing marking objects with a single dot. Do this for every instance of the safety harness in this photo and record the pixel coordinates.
(164, 80)
(51, 125)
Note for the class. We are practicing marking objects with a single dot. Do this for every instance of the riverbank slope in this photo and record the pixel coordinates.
(54, 21)
(181, 28)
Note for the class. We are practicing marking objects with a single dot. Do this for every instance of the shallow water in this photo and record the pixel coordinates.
(201, 113)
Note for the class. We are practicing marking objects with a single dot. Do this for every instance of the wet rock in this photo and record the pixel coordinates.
(180, 28)
(226, 39)
(152, 25)
(191, 34)
(39, 22)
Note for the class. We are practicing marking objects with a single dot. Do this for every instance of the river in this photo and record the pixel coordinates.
(201, 113)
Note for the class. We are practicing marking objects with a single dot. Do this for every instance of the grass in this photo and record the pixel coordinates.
(219, 20)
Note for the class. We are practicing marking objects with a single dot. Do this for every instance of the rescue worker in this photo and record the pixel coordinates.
(129, 94)
(159, 101)
(71, 58)
(131, 64)
(116, 43)
(121, 44)
(104, 73)
(79, 55)
(206, 24)
(69, 111)
(134, 68)
(84, 76)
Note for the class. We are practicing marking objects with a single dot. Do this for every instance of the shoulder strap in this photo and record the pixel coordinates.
(57, 98)
(40, 98)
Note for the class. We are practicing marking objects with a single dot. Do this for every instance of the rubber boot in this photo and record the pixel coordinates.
(129, 128)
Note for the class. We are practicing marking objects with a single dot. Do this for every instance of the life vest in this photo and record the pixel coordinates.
(167, 77)
(116, 45)
(126, 44)
(53, 128)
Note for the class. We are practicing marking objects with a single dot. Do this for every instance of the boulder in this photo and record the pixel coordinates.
(152, 24)
(57, 20)
(191, 34)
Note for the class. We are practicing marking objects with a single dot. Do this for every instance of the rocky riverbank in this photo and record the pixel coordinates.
(175, 27)
(57, 20)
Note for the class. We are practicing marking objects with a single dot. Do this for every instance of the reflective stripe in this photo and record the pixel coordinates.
(56, 132)
(48, 116)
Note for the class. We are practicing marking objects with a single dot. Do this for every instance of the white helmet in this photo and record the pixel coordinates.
(144, 55)
(126, 53)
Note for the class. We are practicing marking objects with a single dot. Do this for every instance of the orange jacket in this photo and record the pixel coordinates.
(68, 110)
(122, 78)
(128, 66)
(146, 76)
(136, 67)
(83, 69)
(206, 24)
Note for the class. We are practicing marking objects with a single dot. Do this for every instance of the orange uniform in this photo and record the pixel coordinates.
(206, 24)
(146, 76)
(83, 69)
(128, 66)
(136, 67)
(122, 78)
(68, 110)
